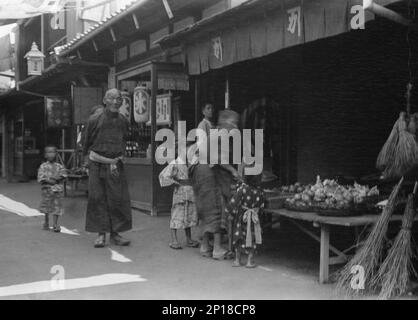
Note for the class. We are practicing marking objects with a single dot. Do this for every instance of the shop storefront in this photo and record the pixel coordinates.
(282, 70)
(156, 95)
(326, 106)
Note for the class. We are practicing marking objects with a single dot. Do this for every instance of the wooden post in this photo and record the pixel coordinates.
(154, 92)
(324, 255)
(196, 102)
(227, 97)
(3, 145)
(384, 12)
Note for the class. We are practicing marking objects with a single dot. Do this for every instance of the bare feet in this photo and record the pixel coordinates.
(175, 246)
(219, 254)
(251, 265)
(192, 244)
(236, 263)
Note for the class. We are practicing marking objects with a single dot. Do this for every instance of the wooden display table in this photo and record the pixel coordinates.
(325, 224)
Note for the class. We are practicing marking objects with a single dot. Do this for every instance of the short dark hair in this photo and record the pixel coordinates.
(50, 146)
(207, 104)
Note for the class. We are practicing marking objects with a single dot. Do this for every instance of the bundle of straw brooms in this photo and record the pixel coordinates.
(389, 274)
(400, 152)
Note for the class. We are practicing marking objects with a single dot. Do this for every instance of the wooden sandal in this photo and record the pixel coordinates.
(193, 244)
(175, 246)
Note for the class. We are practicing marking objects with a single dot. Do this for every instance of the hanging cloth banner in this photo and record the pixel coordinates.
(6, 59)
(23, 9)
(289, 23)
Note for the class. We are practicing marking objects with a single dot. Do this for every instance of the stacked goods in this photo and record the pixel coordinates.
(400, 152)
(329, 195)
(276, 197)
(395, 271)
(370, 255)
(293, 188)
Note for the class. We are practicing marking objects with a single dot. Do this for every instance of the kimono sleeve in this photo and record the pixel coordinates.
(86, 140)
(261, 202)
(166, 176)
(42, 174)
(62, 172)
(90, 132)
(234, 203)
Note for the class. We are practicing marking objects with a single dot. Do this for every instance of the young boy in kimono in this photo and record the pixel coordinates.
(183, 210)
(51, 175)
(244, 209)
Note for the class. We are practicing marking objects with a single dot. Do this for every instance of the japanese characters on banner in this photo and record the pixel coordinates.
(293, 29)
(289, 23)
(58, 112)
(142, 103)
(163, 109)
(126, 106)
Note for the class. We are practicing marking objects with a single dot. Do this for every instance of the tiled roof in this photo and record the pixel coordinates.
(98, 27)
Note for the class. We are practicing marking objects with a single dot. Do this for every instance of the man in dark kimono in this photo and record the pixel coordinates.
(108, 208)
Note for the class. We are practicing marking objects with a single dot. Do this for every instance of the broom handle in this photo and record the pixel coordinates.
(415, 187)
(408, 98)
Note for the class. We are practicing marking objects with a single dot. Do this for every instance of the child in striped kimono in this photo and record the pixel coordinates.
(51, 175)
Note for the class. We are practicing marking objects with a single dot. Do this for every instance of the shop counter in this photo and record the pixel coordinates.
(142, 179)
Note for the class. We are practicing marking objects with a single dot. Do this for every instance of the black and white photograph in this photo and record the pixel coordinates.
(208, 154)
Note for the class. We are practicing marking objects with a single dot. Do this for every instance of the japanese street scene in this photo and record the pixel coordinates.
(211, 150)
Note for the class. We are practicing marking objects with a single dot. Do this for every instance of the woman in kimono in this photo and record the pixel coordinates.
(212, 188)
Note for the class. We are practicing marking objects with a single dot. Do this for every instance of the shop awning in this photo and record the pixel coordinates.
(261, 27)
(55, 79)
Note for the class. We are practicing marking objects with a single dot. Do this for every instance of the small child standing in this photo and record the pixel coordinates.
(245, 209)
(51, 175)
(183, 211)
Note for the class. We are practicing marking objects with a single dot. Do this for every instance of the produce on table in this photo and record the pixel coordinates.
(328, 194)
(294, 188)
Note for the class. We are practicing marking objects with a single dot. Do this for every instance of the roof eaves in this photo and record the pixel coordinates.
(98, 27)
(176, 37)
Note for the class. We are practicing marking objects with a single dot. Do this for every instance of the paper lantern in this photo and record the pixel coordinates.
(142, 101)
(35, 61)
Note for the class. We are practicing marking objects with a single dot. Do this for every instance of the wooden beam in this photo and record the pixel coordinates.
(168, 9)
(136, 22)
(154, 89)
(384, 12)
(112, 33)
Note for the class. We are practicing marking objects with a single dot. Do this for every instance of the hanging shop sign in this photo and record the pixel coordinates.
(142, 102)
(288, 23)
(163, 109)
(217, 48)
(126, 107)
(58, 112)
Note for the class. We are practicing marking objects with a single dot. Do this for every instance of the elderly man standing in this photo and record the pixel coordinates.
(108, 208)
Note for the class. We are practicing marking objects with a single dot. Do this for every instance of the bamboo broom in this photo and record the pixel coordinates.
(395, 271)
(369, 256)
(404, 157)
(387, 154)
